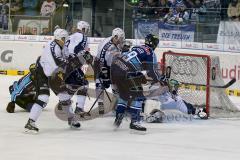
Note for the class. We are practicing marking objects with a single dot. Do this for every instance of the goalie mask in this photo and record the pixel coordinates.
(173, 86)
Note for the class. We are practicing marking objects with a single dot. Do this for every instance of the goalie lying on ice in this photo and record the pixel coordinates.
(170, 99)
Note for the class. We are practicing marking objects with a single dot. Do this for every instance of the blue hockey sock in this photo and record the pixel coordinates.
(120, 109)
(135, 114)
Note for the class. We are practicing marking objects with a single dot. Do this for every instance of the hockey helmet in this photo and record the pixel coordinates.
(59, 34)
(151, 41)
(83, 26)
(119, 33)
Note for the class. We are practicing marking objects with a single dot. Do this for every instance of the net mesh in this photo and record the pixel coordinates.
(200, 69)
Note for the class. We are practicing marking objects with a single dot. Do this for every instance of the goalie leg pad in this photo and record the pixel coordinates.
(156, 116)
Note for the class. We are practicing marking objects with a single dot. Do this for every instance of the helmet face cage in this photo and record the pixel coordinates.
(173, 85)
(151, 41)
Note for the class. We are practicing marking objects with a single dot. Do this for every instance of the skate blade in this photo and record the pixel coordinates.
(115, 128)
(28, 131)
(74, 128)
(132, 131)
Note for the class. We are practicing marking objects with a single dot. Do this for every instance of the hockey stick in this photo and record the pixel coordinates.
(102, 85)
(88, 113)
(231, 82)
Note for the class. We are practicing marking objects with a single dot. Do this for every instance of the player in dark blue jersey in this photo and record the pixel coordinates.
(23, 92)
(126, 74)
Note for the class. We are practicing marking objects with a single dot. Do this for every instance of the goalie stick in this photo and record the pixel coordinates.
(231, 82)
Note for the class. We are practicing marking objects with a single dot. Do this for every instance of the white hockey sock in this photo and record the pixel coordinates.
(35, 112)
(81, 101)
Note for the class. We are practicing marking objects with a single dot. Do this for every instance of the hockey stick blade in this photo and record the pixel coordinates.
(231, 82)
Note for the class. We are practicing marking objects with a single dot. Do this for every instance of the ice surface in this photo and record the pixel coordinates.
(184, 140)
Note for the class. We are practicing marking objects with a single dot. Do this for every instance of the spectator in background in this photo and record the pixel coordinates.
(152, 7)
(16, 7)
(177, 15)
(28, 31)
(30, 7)
(163, 8)
(45, 32)
(48, 8)
(4, 13)
(140, 10)
(212, 4)
(233, 10)
(190, 5)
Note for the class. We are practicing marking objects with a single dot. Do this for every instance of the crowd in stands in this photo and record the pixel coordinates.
(170, 11)
(32, 7)
(184, 11)
(19, 9)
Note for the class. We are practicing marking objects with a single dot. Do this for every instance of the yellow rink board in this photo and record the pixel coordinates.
(232, 92)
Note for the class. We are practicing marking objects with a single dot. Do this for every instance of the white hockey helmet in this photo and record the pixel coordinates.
(83, 26)
(119, 33)
(59, 34)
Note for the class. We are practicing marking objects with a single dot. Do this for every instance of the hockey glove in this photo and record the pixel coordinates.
(163, 80)
(88, 57)
(104, 77)
(74, 61)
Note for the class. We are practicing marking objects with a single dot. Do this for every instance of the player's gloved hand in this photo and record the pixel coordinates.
(106, 83)
(137, 77)
(163, 80)
(141, 77)
(104, 77)
(73, 62)
(115, 92)
(88, 57)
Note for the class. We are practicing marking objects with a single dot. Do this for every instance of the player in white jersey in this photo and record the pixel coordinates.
(49, 61)
(77, 44)
(107, 49)
(170, 99)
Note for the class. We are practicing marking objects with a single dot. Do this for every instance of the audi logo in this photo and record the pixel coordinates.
(184, 66)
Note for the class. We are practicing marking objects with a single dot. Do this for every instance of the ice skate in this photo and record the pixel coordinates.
(10, 107)
(73, 123)
(137, 128)
(118, 120)
(201, 113)
(31, 127)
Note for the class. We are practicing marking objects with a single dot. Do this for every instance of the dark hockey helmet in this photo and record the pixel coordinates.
(151, 41)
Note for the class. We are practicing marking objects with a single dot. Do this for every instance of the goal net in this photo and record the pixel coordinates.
(200, 69)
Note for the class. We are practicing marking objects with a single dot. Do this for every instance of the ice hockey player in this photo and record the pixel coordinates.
(127, 76)
(171, 100)
(23, 92)
(77, 45)
(51, 59)
(107, 50)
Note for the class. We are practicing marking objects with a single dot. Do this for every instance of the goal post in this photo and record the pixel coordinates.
(199, 69)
